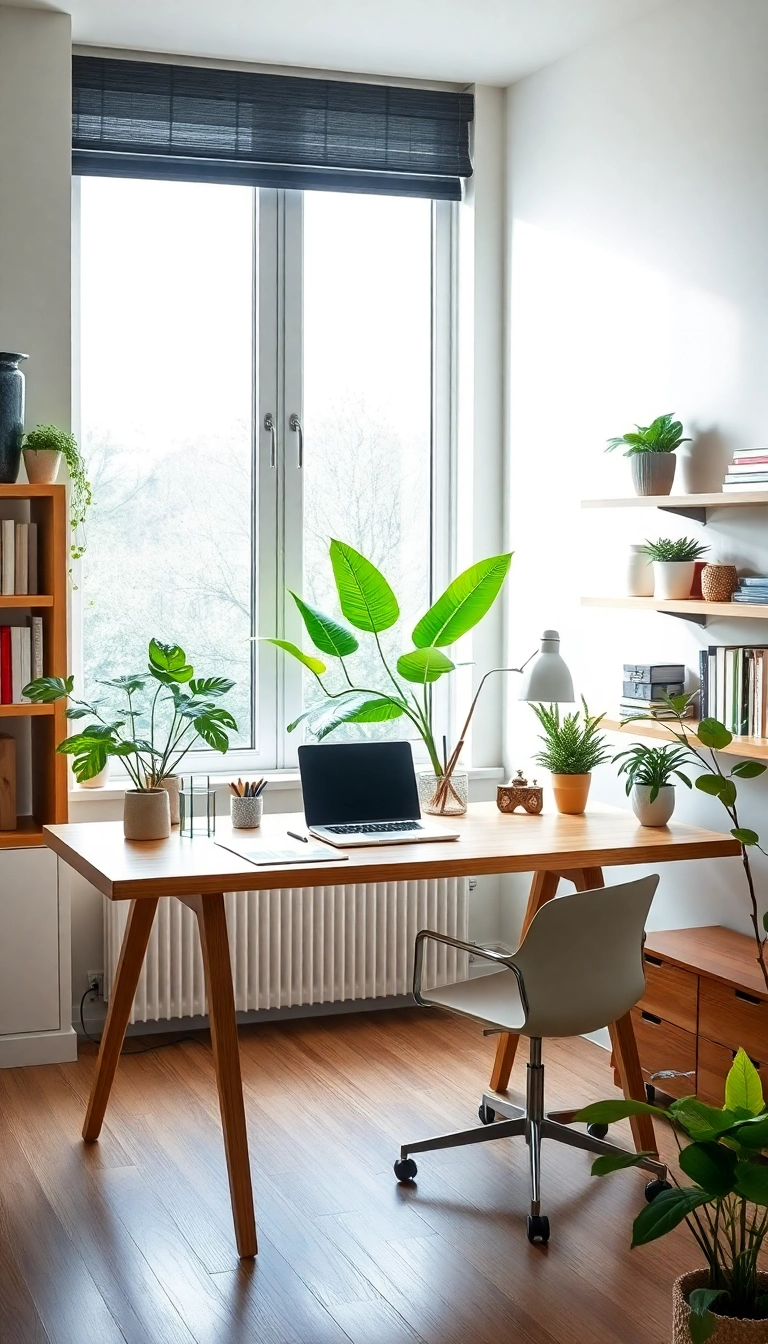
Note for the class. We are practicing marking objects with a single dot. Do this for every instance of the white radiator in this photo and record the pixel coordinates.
(298, 946)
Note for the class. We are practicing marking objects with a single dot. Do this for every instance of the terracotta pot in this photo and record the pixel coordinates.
(146, 814)
(656, 813)
(42, 465)
(728, 1330)
(719, 582)
(672, 578)
(653, 473)
(571, 792)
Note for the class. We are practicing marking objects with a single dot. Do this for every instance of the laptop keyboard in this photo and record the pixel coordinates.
(375, 828)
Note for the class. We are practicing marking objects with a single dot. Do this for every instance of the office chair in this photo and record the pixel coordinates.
(579, 967)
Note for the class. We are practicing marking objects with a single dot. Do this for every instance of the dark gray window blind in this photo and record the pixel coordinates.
(151, 119)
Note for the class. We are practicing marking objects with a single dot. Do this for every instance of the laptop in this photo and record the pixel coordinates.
(364, 793)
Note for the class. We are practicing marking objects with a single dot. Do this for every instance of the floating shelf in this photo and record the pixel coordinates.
(29, 832)
(689, 506)
(690, 608)
(24, 711)
(748, 748)
(26, 600)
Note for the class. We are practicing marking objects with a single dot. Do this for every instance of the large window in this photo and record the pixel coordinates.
(207, 314)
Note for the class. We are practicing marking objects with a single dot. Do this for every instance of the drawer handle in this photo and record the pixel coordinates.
(747, 998)
(653, 961)
(673, 1073)
(649, 1017)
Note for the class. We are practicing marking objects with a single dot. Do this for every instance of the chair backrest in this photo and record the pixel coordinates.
(582, 958)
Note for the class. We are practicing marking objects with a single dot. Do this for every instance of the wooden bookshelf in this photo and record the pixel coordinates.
(747, 748)
(46, 725)
(691, 607)
(695, 507)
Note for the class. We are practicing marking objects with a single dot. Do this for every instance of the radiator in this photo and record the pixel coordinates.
(298, 946)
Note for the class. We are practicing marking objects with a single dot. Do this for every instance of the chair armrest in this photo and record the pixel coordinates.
(485, 952)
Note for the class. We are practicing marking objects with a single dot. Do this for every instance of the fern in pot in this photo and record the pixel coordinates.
(649, 773)
(651, 449)
(573, 747)
(674, 563)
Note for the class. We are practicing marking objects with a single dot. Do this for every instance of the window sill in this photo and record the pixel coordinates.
(277, 779)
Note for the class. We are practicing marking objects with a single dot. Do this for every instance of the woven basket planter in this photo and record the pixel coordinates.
(719, 582)
(728, 1330)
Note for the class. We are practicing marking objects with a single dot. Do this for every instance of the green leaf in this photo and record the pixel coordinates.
(700, 1121)
(608, 1112)
(702, 1323)
(728, 793)
(365, 597)
(603, 1166)
(129, 684)
(91, 763)
(745, 836)
(80, 712)
(166, 657)
(171, 678)
(327, 635)
(749, 769)
(742, 1086)
(711, 784)
(711, 1165)
(712, 733)
(701, 1299)
(210, 685)
(423, 665)
(754, 1135)
(211, 724)
(44, 690)
(765, 921)
(365, 711)
(313, 664)
(667, 1211)
(464, 602)
(752, 1182)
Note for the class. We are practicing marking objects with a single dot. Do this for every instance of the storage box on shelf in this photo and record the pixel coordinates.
(705, 997)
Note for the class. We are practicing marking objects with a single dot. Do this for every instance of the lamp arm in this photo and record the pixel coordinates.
(451, 766)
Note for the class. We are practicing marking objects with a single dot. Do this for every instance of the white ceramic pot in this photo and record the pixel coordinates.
(146, 814)
(673, 578)
(98, 781)
(42, 465)
(639, 574)
(656, 813)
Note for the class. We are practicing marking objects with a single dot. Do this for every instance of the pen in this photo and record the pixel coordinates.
(295, 836)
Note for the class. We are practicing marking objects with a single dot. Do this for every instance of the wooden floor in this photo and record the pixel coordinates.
(130, 1239)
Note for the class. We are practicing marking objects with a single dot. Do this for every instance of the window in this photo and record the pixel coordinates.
(206, 312)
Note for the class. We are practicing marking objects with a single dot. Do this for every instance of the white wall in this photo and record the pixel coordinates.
(637, 207)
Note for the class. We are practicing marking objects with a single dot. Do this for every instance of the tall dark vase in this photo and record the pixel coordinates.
(11, 416)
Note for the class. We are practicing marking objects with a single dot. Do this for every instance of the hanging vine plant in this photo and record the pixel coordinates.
(53, 439)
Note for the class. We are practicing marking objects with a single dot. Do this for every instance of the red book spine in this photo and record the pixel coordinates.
(6, 693)
(747, 461)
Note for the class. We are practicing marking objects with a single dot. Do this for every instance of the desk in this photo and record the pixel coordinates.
(198, 872)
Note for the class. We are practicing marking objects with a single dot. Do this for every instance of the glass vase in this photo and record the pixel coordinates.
(449, 802)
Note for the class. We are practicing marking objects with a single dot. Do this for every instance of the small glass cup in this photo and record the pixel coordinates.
(197, 806)
(449, 801)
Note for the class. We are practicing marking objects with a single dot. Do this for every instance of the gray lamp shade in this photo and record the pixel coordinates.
(547, 678)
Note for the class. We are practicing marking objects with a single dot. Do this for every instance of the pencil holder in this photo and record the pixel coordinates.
(245, 813)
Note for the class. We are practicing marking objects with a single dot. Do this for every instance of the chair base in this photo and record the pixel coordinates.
(531, 1123)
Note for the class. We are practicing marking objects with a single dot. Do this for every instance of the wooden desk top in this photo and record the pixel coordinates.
(490, 842)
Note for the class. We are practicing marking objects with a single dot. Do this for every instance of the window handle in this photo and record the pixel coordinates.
(269, 425)
(295, 424)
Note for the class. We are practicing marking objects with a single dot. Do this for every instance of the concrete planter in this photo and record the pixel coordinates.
(146, 814)
(653, 473)
(42, 465)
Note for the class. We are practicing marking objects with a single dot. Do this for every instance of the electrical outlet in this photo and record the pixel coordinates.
(98, 977)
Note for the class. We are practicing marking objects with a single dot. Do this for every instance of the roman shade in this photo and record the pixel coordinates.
(152, 119)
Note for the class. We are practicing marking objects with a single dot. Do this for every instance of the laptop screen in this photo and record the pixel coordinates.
(360, 781)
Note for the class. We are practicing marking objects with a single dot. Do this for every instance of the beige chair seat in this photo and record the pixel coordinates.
(493, 998)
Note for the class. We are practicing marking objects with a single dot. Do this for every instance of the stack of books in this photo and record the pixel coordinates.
(21, 658)
(646, 683)
(748, 470)
(752, 590)
(18, 557)
(734, 687)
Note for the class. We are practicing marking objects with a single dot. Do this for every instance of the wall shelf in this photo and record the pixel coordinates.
(690, 608)
(25, 600)
(688, 506)
(24, 711)
(748, 748)
(29, 832)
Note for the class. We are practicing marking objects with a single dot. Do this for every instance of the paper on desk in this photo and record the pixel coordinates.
(264, 858)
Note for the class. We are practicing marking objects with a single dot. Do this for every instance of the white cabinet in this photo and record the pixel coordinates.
(35, 975)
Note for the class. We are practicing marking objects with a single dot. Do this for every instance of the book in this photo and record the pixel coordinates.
(22, 558)
(8, 556)
(7, 783)
(36, 627)
(753, 465)
(650, 690)
(26, 662)
(745, 485)
(752, 595)
(750, 454)
(6, 683)
(654, 708)
(751, 477)
(16, 682)
(32, 559)
(754, 581)
(655, 673)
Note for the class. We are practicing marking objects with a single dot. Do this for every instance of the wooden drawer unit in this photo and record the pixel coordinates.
(714, 1063)
(733, 1017)
(670, 992)
(663, 1047)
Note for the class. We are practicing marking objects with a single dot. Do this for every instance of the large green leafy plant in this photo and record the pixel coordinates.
(726, 1207)
(663, 435)
(368, 604)
(165, 711)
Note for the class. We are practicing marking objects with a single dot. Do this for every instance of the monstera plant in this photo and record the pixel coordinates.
(369, 605)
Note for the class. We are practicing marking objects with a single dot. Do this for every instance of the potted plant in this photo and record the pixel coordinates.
(43, 450)
(673, 565)
(725, 1209)
(649, 771)
(651, 451)
(180, 709)
(572, 749)
(368, 604)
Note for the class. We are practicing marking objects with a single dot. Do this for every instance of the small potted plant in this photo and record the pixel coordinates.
(181, 709)
(725, 1209)
(673, 565)
(649, 771)
(572, 749)
(651, 451)
(43, 450)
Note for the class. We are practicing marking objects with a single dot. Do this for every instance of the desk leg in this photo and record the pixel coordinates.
(543, 888)
(212, 921)
(140, 919)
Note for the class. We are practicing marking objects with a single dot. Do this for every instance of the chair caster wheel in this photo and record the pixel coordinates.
(405, 1169)
(650, 1094)
(537, 1228)
(654, 1188)
(597, 1131)
(486, 1113)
